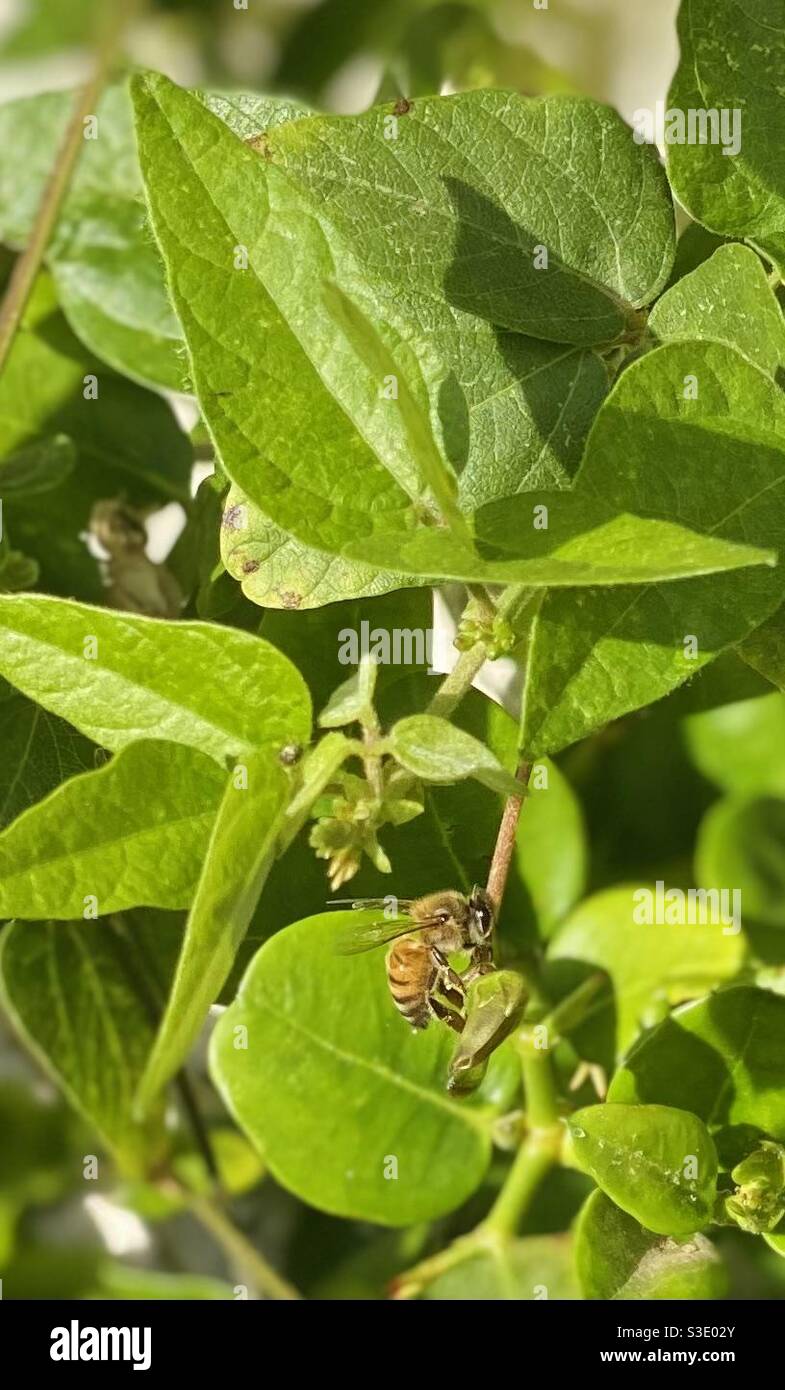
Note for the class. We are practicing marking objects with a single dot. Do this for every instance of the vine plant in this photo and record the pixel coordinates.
(452, 339)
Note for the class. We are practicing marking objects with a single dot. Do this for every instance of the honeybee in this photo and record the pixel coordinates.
(418, 969)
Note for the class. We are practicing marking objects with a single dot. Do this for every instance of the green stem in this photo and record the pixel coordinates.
(532, 1163)
(542, 1104)
(458, 682)
(29, 262)
(239, 1251)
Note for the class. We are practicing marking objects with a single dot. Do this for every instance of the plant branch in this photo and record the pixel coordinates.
(460, 679)
(238, 1249)
(505, 840)
(29, 262)
(535, 1158)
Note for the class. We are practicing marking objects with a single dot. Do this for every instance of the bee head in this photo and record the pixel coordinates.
(480, 917)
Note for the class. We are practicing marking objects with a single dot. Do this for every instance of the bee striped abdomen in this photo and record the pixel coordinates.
(410, 976)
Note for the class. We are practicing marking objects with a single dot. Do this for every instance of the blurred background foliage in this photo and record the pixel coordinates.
(663, 794)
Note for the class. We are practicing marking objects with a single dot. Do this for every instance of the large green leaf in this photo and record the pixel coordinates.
(131, 834)
(587, 541)
(727, 299)
(617, 1258)
(281, 436)
(552, 853)
(108, 273)
(460, 198)
(238, 859)
(84, 998)
(657, 1163)
(333, 1086)
(37, 753)
(120, 677)
(715, 463)
(731, 58)
(721, 1057)
(741, 848)
(644, 962)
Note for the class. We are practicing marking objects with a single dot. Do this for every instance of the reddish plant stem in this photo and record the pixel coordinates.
(505, 840)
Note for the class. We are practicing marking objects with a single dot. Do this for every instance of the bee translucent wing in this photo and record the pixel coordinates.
(357, 939)
(358, 904)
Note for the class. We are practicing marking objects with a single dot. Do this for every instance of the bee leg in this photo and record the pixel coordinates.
(447, 1015)
(448, 981)
(482, 964)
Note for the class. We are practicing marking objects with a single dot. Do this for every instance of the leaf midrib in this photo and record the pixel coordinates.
(472, 1119)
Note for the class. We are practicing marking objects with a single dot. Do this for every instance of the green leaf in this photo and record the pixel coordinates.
(331, 1084)
(617, 1258)
(214, 689)
(741, 849)
(494, 1006)
(266, 407)
(586, 541)
(727, 299)
(721, 1057)
(37, 752)
(131, 834)
(644, 962)
(477, 182)
(277, 570)
(731, 56)
(84, 999)
(551, 850)
(436, 751)
(353, 699)
(525, 1270)
(241, 850)
(741, 746)
(656, 1163)
(719, 463)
